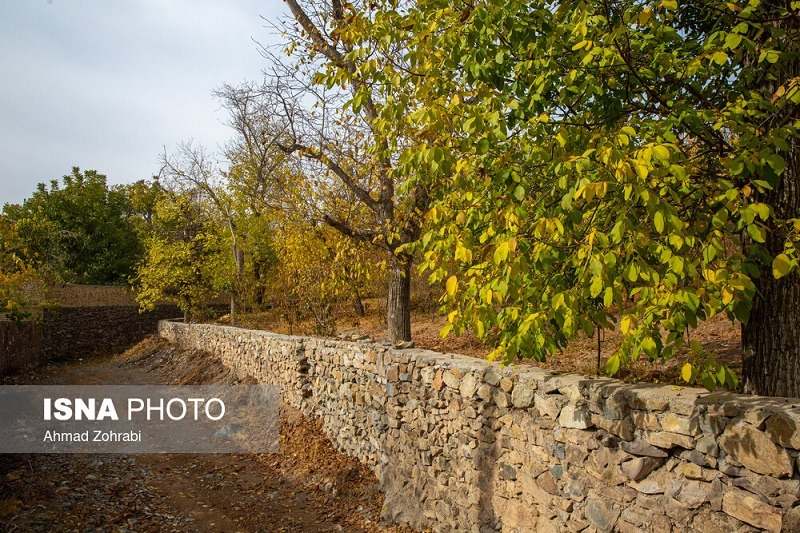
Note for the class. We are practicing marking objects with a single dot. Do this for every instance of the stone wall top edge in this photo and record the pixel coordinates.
(592, 388)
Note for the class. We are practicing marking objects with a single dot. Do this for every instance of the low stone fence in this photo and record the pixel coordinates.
(76, 331)
(82, 330)
(20, 345)
(461, 444)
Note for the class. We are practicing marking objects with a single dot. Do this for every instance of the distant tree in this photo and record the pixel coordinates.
(322, 109)
(16, 276)
(79, 230)
(186, 256)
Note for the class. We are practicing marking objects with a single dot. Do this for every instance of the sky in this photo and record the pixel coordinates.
(108, 85)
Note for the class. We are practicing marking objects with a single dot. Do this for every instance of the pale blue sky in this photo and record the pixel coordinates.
(107, 84)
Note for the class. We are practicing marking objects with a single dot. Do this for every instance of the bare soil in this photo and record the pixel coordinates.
(719, 336)
(308, 486)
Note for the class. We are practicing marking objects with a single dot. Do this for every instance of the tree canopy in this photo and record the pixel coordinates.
(593, 164)
(79, 230)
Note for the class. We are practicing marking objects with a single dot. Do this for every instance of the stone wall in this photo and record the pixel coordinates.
(70, 331)
(20, 345)
(461, 444)
(76, 331)
(95, 296)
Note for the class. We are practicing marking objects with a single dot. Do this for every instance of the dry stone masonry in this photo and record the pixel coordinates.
(462, 444)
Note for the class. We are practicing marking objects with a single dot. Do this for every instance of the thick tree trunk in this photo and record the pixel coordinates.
(398, 311)
(771, 338)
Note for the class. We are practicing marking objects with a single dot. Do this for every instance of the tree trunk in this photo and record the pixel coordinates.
(398, 310)
(771, 338)
(238, 257)
(358, 305)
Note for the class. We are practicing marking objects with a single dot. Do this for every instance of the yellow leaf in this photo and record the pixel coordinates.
(686, 372)
(627, 323)
(781, 265)
(452, 284)
(501, 253)
(727, 296)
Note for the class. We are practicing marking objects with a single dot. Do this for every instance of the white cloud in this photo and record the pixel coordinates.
(105, 85)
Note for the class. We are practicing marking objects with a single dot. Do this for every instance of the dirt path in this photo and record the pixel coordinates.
(301, 489)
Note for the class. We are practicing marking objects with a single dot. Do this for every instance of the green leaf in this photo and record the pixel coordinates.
(612, 365)
(733, 40)
(658, 221)
(708, 381)
(781, 265)
(596, 287)
(771, 56)
(757, 233)
(445, 330)
(501, 253)
(661, 152)
(519, 193)
(776, 162)
(762, 210)
(608, 297)
(719, 57)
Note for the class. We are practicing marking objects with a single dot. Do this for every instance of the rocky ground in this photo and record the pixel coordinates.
(308, 486)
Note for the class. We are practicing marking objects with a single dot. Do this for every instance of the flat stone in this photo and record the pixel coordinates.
(791, 520)
(695, 457)
(548, 483)
(755, 450)
(694, 493)
(641, 448)
(784, 428)
(734, 471)
(601, 514)
(693, 471)
(667, 440)
(639, 468)
(549, 405)
(645, 420)
(485, 392)
(492, 377)
(469, 384)
(616, 407)
(522, 396)
(679, 424)
(437, 382)
(508, 472)
(648, 486)
(650, 398)
(577, 417)
(746, 508)
(518, 515)
(502, 399)
(451, 380)
(620, 428)
(712, 423)
(707, 444)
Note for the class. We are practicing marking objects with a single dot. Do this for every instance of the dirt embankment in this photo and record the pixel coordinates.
(308, 486)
